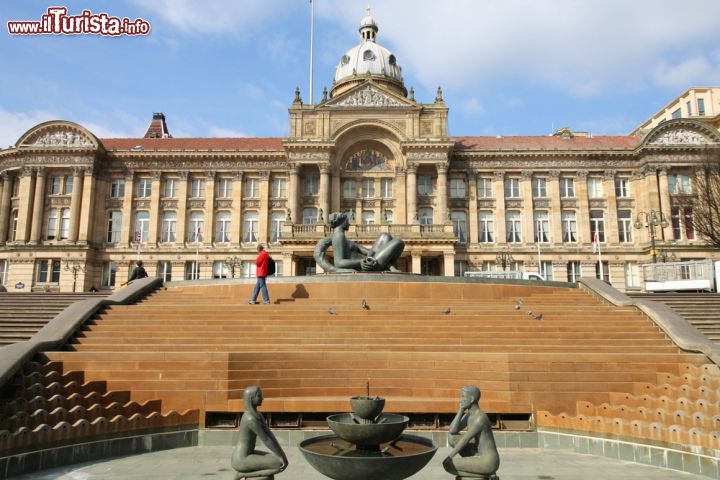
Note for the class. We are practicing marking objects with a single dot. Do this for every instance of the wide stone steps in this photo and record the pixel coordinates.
(701, 310)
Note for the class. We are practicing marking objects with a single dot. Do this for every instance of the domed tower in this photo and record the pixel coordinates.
(368, 59)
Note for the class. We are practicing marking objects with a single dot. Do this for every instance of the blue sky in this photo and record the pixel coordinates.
(229, 67)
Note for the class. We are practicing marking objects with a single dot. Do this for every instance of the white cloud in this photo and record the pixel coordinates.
(583, 47)
(693, 71)
(471, 107)
(14, 124)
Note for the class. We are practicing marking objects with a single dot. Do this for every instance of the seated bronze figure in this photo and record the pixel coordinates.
(248, 462)
(346, 254)
(479, 457)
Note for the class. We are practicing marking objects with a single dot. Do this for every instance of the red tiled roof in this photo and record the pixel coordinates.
(155, 144)
(546, 143)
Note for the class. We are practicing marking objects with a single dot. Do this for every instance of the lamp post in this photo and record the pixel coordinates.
(231, 263)
(650, 221)
(75, 267)
(503, 258)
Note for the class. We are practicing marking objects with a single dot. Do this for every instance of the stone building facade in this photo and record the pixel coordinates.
(76, 211)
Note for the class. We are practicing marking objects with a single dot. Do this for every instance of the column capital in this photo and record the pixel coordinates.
(609, 174)
(400, 171)
(27, 172)
(293, 168)
(581, 174)
(442, 168)
(554, 174)
(663, 171)
(89, 170)
(4, 176)
(648, 171)
(210, 175)
(183, 174)
(129, 175)
(324, 168)
(412, 167)
(416, 254)
(264, 175)
(78, 171)
(526, 174)
(238, 175)
(156, 175)
(40, 172)
(499, 175)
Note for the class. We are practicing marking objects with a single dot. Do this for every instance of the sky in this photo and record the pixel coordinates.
(223, 68)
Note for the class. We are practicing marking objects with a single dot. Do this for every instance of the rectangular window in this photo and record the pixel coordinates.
(349, 188)
(457, 188)
(424, 184)
(68, 186)
(277, 221)
(484, 186)
(117, 188)
(595, 187)
(252, 188)
(278, 268)
(486, 227)
(632, 275)
(461, 267)
(688, 105)
(164, 271)
(55, 185)
(597, 226)
(675, 218)
(573, 271)
(196, 227)
(459, 221)
(567, 187)
(602, 272)
(219, 270)
(622, 187)
(64, 224)
(513, 227)
(192, 270)
(311, 185)
(169, 227)
(250, 227)
(546, 270)
(144, 188)
(701, 106)
(569, 227)
(224, 188)
(14, 225)
(52, 224)
(389, 217)
(512, 188)
(248, 268)
(488, 266)
(278, 188)
(109, 273)
(222, 227)
(310, 216)
(368, 188)
(4, 267)
(197, 188)
(48, 271)
(425, 215)
(542, 227)
(114, 226)
(170, 188)
(679, 184)
(676, 113)
(142, 226)
(368, 217)
(689, 224)
(539, 187)
(625, 226)
(386, 187)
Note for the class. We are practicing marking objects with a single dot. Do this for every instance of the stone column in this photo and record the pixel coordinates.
(209, 233)
(583, 216)
(25, 194)
(324, 191)
(442, 194)
(416, 261)
(412, 196)
(288, 264)
(38, 205)
(499, 190)
(154, 226)
(638, 193)
(87, 210)
(264, 214)
(5, 204)
(528, 208)
(293, 193)
(612, 234)
(181, 226)
(555, 213)
(449, 263)
(665, 206)
(400, 210)
(335, 191)
(75, 201)
(127, 235)
(652, 202)
(237, 220)
(378, 202)
(473, 229)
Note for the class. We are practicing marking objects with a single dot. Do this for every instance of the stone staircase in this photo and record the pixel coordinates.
(23, 314)
(702, 310)
(200, 346)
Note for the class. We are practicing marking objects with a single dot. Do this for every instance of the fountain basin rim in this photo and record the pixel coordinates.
(410, 438)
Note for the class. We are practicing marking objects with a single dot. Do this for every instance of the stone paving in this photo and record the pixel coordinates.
(211, 462)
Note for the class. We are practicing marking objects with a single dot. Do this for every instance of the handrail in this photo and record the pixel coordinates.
(680, 331)
(58, 330)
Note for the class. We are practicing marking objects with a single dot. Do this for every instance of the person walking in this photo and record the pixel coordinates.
(261, 262)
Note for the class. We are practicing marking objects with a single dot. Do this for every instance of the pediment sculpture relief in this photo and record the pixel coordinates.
(680, 137)
(65, 138)
(368, 97)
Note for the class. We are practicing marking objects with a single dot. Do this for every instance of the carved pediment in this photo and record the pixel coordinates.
(58, 134)
(680, 136)
(367, 96)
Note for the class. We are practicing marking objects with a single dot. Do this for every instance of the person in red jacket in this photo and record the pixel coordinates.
(261, 262)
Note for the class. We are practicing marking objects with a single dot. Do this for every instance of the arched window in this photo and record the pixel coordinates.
(250, 227)
(222, 227)
(142, 226)
(169, 227)
(196, 225)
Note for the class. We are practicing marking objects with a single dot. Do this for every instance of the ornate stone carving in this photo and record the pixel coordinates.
(568, 203)
(609, 174)
(367, 97)
(400, 171)
(597, 203)
(367, 160)
(223, 203)
(62, 139)
(210, 175)
(59, 201)
(499, 176)
(183, 175)
(513, 203)
(141, 204)
(436, 156)
(196, 204)
(309, 127)
(412, 167)
(389, 203)
(78, 172)
(458, 202)
(486, 203)
(168, 204)
(526, 174)
(368, 203)
(426, 127)
(554, 174)
(582, 174)
(238, 176)
(542, 203)
(264, 175)
(324, 168)
(27, 172)
(40, 172)
(278, 203)
(681, 136)
(625, 203)
(313, 156)
(425, 200)
(251, 203)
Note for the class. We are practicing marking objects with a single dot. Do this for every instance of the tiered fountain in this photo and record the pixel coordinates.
(367, 444)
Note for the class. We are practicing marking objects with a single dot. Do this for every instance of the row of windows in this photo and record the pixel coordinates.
(223, 188)
(367, 188)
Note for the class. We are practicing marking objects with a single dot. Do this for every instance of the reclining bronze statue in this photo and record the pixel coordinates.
(346, 254)
(248, 462)
(479, 458)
